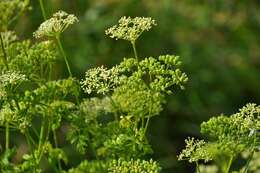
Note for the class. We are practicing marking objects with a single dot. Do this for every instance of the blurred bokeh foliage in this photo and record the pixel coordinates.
(218, 42)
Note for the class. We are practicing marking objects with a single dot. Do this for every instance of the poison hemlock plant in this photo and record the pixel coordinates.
(230, 137)
(108, 124)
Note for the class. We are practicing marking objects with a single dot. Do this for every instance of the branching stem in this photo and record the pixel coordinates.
(146, 125)
(197, 167)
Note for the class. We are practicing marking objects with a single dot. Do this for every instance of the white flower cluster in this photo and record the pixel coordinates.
(8, 37)
(130, 28)
(101, 80)
(11, 78)
(55, 25)
(195, 150)
(248, 118)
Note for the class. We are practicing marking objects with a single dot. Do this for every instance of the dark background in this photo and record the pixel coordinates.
(218, 42)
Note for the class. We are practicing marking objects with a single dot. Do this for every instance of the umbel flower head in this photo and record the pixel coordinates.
(195, 150)
(11, 78)
(101, 80)
(55, 25)
(130, 28)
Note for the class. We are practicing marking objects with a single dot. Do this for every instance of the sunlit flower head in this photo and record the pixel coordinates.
(130, 28)
(55, 25)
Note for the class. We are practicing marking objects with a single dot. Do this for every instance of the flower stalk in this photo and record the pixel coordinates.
(63, 54)
(43, 10)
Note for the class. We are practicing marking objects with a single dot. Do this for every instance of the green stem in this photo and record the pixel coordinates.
(56, 146)
(134, 48)
(7, 136)
(63, 54)
(149, 116)
(146, 127)
(32, 140)
(43, 10)
(35, 131)
(50, 71)
(197, 167)
(18, 15)
(28, 140)
(143, 119)
(4, 52)
(229, 164)
(115, 106)
(251, 156)
(248, 161)
(41, 139)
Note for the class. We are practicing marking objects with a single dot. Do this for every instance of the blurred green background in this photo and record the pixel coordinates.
(218, 42)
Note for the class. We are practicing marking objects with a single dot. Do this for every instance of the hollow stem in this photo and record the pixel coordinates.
(63, 54)
(43, 10)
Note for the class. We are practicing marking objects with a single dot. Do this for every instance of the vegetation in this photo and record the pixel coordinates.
(110, 126)
(105, 117)
(230, 137)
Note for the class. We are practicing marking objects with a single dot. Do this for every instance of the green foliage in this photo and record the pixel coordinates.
(110, 128)
(90, 167)
(108, 125)
(10, 10)
(33, 60)
(230, 137)
(134, 166)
